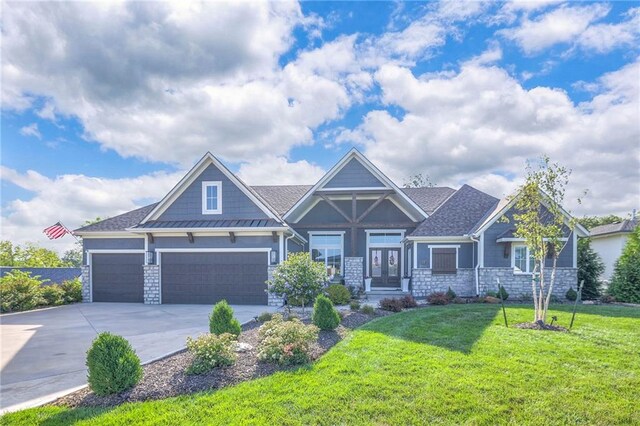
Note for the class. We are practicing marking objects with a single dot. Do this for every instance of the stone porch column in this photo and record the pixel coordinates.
(354, 272)
(151, 284)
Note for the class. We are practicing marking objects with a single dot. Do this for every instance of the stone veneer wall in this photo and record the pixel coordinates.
(424, 282)
(85, 278)
(354, 272)
(273, 299)
(151, 284)
(520, 284)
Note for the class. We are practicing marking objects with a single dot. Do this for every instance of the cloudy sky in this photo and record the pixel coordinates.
(105, 105)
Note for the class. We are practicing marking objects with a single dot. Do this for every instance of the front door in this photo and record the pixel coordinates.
(384, 267)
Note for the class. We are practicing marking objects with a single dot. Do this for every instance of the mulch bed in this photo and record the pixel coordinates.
(537, 326)
(166, 377)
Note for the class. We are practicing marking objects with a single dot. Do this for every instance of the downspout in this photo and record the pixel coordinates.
(477, 267)
(286, 245)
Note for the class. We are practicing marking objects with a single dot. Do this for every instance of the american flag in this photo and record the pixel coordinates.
(56, 231)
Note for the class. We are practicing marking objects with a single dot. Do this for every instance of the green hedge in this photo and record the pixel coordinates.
(19, 291)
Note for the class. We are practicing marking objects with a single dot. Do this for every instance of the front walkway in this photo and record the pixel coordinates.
(43, 352)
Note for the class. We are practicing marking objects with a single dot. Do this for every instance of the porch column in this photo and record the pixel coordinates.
(354, 272)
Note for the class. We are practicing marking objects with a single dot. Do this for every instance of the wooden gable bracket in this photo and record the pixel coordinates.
(190, 237)
(150, 237)
(232, 237)
(373, 206)
(274, 236)
(335, 207)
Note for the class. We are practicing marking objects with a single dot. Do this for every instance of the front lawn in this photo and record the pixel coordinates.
(452, 364)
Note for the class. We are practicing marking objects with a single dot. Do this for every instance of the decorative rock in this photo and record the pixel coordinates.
(243, 347)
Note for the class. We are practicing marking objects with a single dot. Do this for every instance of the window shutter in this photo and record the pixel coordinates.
(444, 261)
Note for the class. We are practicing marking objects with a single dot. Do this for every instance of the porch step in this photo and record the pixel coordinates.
(388, 293)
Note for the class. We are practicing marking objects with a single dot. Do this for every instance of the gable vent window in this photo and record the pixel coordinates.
(212, 197)
(444, 260)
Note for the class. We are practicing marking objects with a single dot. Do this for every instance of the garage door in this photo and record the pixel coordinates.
(117, 277)
(239, 278)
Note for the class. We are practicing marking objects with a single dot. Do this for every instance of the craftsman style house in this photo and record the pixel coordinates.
(213, 237)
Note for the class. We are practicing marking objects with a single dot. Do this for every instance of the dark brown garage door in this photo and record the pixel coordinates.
(239, 278)
(117, 277)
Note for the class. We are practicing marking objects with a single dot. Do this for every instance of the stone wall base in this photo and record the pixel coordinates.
(354, 272)
(85, 278)
(424, 282)
(273, 299)
(518, 285)
(151, 284)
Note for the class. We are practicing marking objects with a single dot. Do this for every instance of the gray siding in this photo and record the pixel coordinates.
(353, 175)
(494, 252)
(110, 244)
(235, 204)
(466, 255)
(323, 213)
(293, 247)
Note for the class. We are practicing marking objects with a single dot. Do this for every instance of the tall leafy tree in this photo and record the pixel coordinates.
(418, 181)
(7, 254)
(540, 221)
(625, 284)
(33, 256)
(590, 267)
(73, 257)
(593, 221)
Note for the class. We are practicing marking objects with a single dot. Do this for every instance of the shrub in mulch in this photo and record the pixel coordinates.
(338, 294)
(368, 310)
(392, 305)
(408, 302)
(210, 351)
(540, 326)
(264, 317)
(354, 305)
(286, 342)
(325, 316)
(438, 298)
(451, 294)
(222, 321)
(571, 295)
(113, 365)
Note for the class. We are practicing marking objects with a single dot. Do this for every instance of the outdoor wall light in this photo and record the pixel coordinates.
(149, 255)
(273, 256)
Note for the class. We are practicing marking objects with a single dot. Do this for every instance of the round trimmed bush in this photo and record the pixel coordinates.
(354, 305)
(222, 321)
(451, 294)
(338, 294)
(53, 295)
(113, 365)
(571, 295)
(502, 293)
(325, 316)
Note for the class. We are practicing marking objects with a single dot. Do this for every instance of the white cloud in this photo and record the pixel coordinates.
(73, 199)
(278, 171)
(602, 38)
(31, 130)
(561, 25)
(168, 81)
(480, 125)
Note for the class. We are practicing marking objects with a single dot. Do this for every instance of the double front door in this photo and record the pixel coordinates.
(384, 267)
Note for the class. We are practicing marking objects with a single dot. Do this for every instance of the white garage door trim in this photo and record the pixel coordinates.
(266, 250)
(90, 254)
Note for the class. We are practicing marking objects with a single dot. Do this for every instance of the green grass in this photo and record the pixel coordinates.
(452, 364)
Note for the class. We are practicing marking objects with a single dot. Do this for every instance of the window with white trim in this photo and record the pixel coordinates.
(328, 249)
(521, 259)
(212, 197)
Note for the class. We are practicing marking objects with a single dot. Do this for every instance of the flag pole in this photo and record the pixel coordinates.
(68, 231)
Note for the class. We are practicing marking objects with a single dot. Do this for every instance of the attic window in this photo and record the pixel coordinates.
(212, 197)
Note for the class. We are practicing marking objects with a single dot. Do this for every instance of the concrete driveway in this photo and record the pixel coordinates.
(43, 352)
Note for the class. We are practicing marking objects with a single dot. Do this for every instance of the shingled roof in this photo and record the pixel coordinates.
(627, 225)
(281, 197)
(120, 222)
(458, 215)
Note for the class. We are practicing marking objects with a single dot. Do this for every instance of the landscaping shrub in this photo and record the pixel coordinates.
(408, 302)
(607, 298)
(354, 305)
(492, 293)
(571, 294)
(72, 290)
(325, 316)
(113, 365)
(52, 295)
(265, 316)
(286, 342)
(292, 317)
(368, 310)
(438, 298)
(459, 301)
(590, 268)
(502, 293)
(393, 305)
(338, 294)
(355, 291)
(451, 294)
(211, 351)
(19, 291)
(222, 321)
(526, 297)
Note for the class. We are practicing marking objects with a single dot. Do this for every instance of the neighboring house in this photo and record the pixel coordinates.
(51, 275)
(212, 237)
(609, 240)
